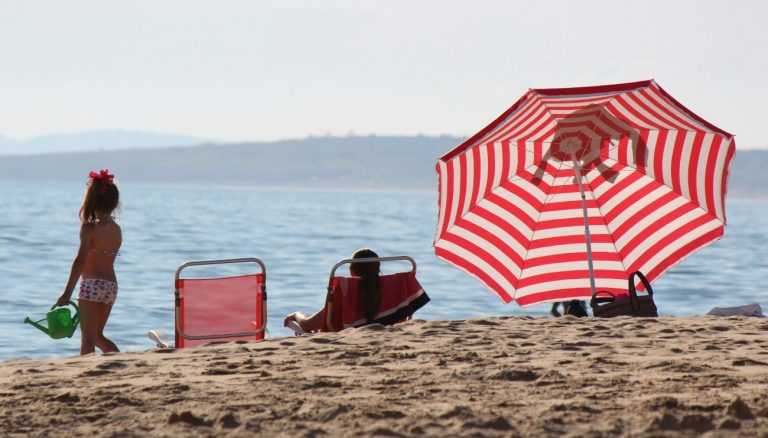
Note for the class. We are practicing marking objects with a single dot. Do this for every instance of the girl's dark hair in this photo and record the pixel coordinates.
(369, 281)
(101, 196)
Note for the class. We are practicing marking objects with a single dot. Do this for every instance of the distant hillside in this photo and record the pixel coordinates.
(370, 162)
(93, 141)
(349, 162)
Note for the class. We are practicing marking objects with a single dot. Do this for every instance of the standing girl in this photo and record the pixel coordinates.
(100, 240)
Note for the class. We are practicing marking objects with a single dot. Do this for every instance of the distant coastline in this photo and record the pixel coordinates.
(351, 163)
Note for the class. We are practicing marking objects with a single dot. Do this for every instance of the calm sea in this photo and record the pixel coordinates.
(299, 235)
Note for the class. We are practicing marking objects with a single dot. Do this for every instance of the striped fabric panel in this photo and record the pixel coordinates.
(510, 211)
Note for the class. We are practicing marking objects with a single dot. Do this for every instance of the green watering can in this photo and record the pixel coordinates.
(61, 323)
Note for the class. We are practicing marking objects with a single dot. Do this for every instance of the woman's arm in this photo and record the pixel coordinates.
(77, 265)
(307, 323)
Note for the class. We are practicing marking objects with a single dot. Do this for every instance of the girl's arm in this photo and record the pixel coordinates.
(77, 265)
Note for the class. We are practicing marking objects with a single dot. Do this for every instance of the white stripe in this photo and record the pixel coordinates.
(570, 266)
(661, 102)
(519, 202)
(443, 195)
(506, 217)
(658, 123)
(650, 156)
(483, 177)
(568, 284)
(569, 231)
(634, 208)
(529, 106)
(470, 178)
(665, 252)
(498, 232)
(719, 172)
(666, 163)
(684, 163)
(649, 240)
(642, 225)
(497, 151)
(701, 173)
(571, 248)
(456, 169)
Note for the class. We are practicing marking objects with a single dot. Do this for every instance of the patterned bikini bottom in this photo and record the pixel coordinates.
(96, 289)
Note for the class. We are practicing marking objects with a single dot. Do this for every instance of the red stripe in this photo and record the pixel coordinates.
(505, 158)
(627, 104)
(513, 134)
(677, 156)
(482, 254)
(491, 168)
(668, 240)
(563, 295)
(653, 96)
(570, 275)
(448, 193)
(475, 176)
(709, 177)
(522, 116)
(521, 192)
(693, 164)
(654, 112)
(513, 232)
(570, 257)
(470, 141)
(482, 276)
(546, 242)
(662, 223)
(497, 242)
(635, 196)
(554, 206)
(641, 152)
(462, 186)
(633, 220)
(592, 90)
(726, 170)
(568, 222)
(684, 252)
(690, 113)
(658, 155)
(509, 207)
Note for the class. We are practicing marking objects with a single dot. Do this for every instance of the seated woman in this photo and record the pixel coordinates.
(369, 287)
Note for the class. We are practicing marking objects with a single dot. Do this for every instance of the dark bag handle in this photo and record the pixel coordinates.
(633, 291)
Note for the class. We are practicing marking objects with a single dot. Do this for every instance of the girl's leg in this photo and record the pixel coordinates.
(88, 326)
(93, 318)
(105, 344)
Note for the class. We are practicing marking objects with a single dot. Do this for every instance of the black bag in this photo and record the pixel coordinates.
(607, 306)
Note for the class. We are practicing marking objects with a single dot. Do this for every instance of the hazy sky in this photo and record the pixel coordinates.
(260, 70)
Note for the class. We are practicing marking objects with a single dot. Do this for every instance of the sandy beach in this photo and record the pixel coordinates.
(509, 376)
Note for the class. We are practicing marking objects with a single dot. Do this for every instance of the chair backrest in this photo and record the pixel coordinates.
(401, 296)
(220, 308)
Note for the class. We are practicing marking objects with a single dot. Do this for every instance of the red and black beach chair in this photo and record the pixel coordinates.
(401, 296)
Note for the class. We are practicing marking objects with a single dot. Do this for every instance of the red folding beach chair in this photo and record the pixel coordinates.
(401, 296)
(221, 308)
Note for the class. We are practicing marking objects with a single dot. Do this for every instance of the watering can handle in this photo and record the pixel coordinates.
(75, 318)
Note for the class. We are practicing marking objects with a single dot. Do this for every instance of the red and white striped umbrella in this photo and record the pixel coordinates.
(609, 179)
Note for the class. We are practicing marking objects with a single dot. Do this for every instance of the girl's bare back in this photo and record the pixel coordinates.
(103, 239)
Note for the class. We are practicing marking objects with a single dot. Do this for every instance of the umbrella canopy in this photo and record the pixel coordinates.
(572, 189)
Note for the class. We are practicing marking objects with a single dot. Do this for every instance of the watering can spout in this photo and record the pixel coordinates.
(36, 324)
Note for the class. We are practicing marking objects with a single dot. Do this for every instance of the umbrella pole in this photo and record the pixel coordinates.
(577, 168)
